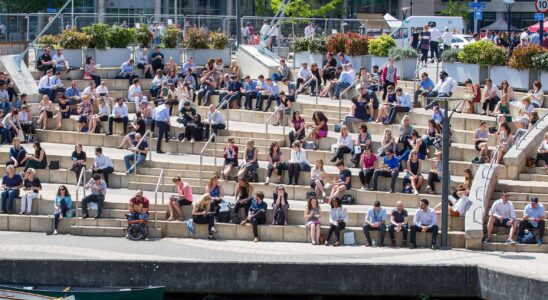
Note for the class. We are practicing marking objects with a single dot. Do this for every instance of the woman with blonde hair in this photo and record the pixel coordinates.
(31, 189)
(201, 214)
(46, 111)
(216, 192)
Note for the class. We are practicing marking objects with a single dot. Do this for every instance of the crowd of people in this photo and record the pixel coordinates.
(377, 99)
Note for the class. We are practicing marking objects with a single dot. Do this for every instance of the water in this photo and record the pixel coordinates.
(180, 296)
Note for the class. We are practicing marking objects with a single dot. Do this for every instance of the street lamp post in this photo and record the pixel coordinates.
(446, 176)
(508, 4)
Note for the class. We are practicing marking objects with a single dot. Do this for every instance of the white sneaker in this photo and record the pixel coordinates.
(416, 192)
(510, 241)
(184, 140)
(54, 232)
(192, 140)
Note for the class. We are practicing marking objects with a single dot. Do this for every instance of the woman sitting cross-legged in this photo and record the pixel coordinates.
(176, 202)
(316, 179)
(297, 163)
(344, 144)
(230, 154)
(37, 161)
(257, 214)
(61, 206)
(312, 216)
(201, 214)
(251, 155)
(18, 154)
(338, 217)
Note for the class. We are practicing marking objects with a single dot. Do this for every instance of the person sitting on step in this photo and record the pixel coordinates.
(243, 195)
(176, 202)
(342, 184)
(201, 214)
(425, 220)
(533, 218)
(138, 207)
(61, 206)
(502, 214)
(98, 188)
(338, 217)
(251, 156)
(257, 214)
(375, 220)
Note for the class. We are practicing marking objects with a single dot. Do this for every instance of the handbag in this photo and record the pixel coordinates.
(357, 149)
(54, 165)
(348, 238)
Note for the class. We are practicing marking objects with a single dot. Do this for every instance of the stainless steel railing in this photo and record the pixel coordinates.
(160, 181)
(81, 181)
(211, 137)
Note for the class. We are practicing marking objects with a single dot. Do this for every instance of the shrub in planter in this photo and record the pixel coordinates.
(401, 53)
(72, 39)
(483, 53)
(301, 44)
(356, 44)
(195, 38)
(171, 37)
(48, 40)
(317, 45)
(380, 45)
(120, 37)
(99, 35)
(219, 40)
(143, 36)
(450, 55)
(522, 57)
(336, 43)
(540, 61)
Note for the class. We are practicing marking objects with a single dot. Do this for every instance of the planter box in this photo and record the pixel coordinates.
(462, 72)
(406, 67)
(519, 80)
(113, 57)
(544, 80)
(74, 57)
(172, 52)
(200, 56)
(361, 61)
(308, 57)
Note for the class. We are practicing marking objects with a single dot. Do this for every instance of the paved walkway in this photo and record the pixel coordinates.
(17, 245)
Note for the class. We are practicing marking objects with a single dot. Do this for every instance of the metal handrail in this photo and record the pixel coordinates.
(227, 112)
(160, 180)
(147, 133)
(486, 177)
(416, 78)
(81, 180)
(211, 137)
(267, 122)
(305, 84)
(518, 142)
(344, 92)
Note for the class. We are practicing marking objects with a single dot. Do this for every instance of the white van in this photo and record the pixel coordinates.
(402, 34)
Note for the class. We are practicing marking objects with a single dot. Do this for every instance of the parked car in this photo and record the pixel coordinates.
(461, 40)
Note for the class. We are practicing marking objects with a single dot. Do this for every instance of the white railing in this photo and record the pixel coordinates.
(160, 181)
(147, 134)
(211, 137)
(82, 182)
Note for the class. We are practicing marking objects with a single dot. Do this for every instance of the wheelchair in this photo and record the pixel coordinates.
(137, 229)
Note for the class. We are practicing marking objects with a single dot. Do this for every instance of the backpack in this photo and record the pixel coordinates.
(478, 160)
(528, 237)
(236, 219)
(279, 216)
(347, 199)
(224, 212)
(252, 176)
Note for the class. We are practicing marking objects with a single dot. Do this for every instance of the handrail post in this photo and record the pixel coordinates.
(317, 90)
(81, 178)
(227, 115)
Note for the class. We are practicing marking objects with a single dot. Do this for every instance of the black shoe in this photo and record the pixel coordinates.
(257, 109)
(433, 247)
(266, 109)
(392, 191)
(211, 237)
(97, 217)
(413, 246)
(160, 152)
(334, 159)
(84, 216)
(110, 133)
(372, 189)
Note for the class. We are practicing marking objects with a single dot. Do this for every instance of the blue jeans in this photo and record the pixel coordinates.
(9, 197)
(277, 77)
(128, 159)
(339, 87)
(382, 232)
(137, 216)
(6, 107)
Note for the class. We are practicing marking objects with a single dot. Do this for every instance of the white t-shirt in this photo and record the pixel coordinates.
(461, 204)
(506, 211)
(435, 34)
(493, 89)
(447, 36)
(101, 90)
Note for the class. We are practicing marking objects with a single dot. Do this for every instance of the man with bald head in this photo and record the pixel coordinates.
(398, 222)
(138, 207)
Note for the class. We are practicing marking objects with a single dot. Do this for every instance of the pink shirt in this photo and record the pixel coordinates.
(186, 190)
(369, 162)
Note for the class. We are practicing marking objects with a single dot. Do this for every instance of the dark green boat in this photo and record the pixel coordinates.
(91, 293)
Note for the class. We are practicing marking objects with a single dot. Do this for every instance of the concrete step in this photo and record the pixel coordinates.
(515, 248)
(537, 170)
(109, 231)
(523, 196)
(521, 186)
(533, 177)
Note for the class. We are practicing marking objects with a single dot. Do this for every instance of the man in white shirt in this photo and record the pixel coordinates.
(309, 31)
(274, 35)
(103, 164)
(215, 121)
(119, 115)
(265, 28)
(44, 87)
(135, 93)
(447, 38)
(425, 220)
(444, 88)
(490, 97)
(502, 214)
(303, 77)
(435, 36)
(61, 63)
(56, 86)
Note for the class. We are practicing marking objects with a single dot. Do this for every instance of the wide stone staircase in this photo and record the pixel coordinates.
(184, 159)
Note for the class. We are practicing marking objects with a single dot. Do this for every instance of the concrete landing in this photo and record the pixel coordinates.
(23, 80)
(242, 267)
(254, 63)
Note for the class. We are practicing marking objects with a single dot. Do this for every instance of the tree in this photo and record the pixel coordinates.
(457, 8)
(309, 8)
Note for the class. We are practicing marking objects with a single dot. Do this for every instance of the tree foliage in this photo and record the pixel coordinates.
(456, 8)
(309, 8)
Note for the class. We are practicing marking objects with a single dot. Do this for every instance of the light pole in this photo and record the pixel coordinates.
(446, 176)
(508, 4)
